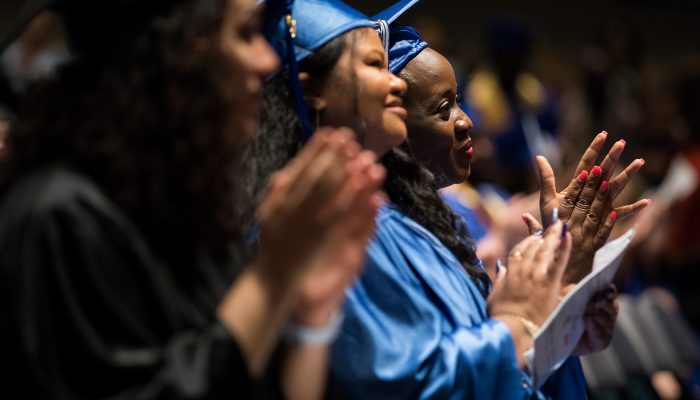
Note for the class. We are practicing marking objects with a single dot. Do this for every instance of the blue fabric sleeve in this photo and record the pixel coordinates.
(416, 327)
(567, 383)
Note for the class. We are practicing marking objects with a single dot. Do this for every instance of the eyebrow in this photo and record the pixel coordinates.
(254, 13)
(381, 54)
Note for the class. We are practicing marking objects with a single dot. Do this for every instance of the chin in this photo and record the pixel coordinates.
(389, 140)
(460, 175)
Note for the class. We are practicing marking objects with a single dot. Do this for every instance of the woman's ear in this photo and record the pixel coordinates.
(314, 100)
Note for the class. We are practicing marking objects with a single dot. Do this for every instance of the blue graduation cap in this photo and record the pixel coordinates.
(296, 28)
(405, 44)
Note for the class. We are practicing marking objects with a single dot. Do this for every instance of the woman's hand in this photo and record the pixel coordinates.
(530, 285)
(527, 291)
(323, 289)
(303, 206)
(599, 320)
(315, 219)
(586, 205)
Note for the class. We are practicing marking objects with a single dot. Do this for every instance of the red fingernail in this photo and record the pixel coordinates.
(596, 171)
(583, 176)
(604, 186)
(525, 220)
(613, 215)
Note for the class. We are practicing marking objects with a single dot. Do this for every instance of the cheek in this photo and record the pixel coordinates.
(372, 89)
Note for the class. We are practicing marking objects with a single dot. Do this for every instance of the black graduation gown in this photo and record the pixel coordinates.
(87, 311)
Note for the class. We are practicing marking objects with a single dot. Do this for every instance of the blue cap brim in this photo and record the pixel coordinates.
(392, 13)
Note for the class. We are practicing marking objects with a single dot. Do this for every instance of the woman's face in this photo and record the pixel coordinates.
(252, 57)
(362, 94)
(438, 129)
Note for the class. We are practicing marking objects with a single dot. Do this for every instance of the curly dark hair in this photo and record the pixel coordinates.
(150, 118)
(411, 187)
(414, 190)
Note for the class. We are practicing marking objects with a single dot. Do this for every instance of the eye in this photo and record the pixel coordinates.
(444, 106)
(377, 63)
(249, 30)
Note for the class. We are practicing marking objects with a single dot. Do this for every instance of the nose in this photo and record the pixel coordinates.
(463, 125)
(398, 85)
(265, 61)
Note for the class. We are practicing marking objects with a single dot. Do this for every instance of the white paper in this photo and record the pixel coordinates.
(557, 337)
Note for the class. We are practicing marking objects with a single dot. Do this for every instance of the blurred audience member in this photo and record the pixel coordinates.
(511, 107)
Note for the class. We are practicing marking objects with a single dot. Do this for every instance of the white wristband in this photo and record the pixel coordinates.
(305, 335)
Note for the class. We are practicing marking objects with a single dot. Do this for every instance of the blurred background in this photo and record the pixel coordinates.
(544, 78)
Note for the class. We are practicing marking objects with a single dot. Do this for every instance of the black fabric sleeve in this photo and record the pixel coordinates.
(88, 313)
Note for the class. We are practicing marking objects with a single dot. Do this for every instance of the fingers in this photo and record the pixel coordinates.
(585, 199)
(500, 275)
(531, 251)
(610, 162)
(307, 153)
(548, 187)
(515, 257)
(562, 257)
(589, 158)
(533, 225)
(355, 189)
(322, 176)
(570, 195)
(547, 252)
(595, 213)
(277, 187)
(619, 183)
(631, 209)
(603, 233)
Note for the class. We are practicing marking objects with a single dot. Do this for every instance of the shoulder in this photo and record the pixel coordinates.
(55, 195)
(395, 226)
(51, 189)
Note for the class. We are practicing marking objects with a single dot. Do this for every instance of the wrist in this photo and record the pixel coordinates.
(254, 314)
(529, 327)
(522, 341)
(316, 335)
(313, 317)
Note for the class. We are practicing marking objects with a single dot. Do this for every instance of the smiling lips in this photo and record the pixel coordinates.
(396, 106)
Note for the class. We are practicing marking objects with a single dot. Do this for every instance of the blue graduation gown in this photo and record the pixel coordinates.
(416, 327)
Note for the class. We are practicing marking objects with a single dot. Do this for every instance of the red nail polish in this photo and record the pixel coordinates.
(604, 186)
(583, 176)
(613, 215)
(525, 220)
(596, 171)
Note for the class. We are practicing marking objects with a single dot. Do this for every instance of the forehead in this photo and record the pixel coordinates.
(430, 71)
(365, 40)
(241, 11)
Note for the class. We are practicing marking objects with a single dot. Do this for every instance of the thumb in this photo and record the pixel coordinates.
(501, 271)
(533, 225)
(548, 187)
